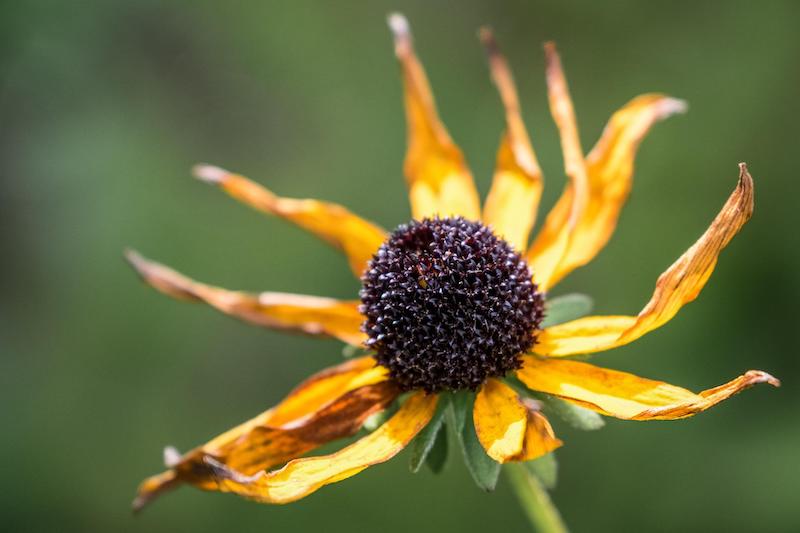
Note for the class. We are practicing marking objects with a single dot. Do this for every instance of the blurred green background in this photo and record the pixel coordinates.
(104, 107)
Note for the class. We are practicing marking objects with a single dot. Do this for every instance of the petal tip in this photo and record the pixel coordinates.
(136, 260)
(209, 173)
(398, 24)
(171, 456)
(755, 377)
(672, 106)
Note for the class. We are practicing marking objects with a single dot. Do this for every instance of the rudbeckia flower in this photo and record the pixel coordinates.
(454, 313)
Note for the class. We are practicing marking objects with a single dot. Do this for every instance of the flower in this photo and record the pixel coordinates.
(453, 309)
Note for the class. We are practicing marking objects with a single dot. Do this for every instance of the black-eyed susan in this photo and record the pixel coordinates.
(453, 310)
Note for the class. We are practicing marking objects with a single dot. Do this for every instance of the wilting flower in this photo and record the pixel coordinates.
(453, 308)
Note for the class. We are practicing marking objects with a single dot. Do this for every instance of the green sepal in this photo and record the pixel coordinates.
(565, 308)
(437, 456)
(349, 351)
(483, 469)
(545, 468)
(424, 443)
(376, 420)
(574, 415)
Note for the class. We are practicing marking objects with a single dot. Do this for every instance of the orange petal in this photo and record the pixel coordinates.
(679, 285)
(555, 239)
(306, 314)
(500, 420)
(354, 236)
(624, 395)
(610, 173)
(301, 477)
(331, 404)
(539, 437)
(517, 186)
(439, 181)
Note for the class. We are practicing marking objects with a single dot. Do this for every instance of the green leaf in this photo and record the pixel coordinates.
(574, 415)
(425, 440)
(565, 308)
(483, 469)
(545, 468)
(437, 456)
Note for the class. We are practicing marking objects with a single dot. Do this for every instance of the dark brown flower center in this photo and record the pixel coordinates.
(448, 304)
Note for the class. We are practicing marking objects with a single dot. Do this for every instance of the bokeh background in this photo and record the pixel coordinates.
(104, 107)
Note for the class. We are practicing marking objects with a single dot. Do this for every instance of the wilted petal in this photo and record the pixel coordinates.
(679, 285)
(539, 437)
(625, 395)
(610, 173)
(513, 200)
(301, 477)
(307, 314)
(500, 420)
(330, 405)
(555, 239)
(354, 236)
(439, 181)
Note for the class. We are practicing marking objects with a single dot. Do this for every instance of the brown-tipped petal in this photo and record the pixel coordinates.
(513, 200)
(555, 239)
(677, 286)
(305, 314)
(539, 437)
(301, 477)
(624, 395)
(500, 420)
(439, 181)
(357, 238)
(610, 172)
(330, 405)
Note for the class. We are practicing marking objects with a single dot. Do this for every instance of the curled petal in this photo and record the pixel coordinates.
(301, 477)
(306, 314)
(330, 405)
(555, 239)
(624, 395)
(678, 285)
(357, 238)
(539, 437)
(517, 185)
(500, 420)
(610, 174)
(439, 181)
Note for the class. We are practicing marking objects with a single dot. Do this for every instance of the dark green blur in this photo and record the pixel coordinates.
(105, 106)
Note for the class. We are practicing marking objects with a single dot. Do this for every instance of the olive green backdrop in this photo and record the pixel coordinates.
(104, 107)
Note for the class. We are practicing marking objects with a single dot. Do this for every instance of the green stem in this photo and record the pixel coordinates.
(538, 507)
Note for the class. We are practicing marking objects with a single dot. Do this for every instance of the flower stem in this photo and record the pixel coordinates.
(538, 507)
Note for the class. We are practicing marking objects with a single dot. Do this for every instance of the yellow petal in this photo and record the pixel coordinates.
(331, 404)
(554, 240)
(539, 437)
(624, 395)
(306, 314)
(301, 477)
(357, 238)
(610, 171)
(678, 285)
(513, 200)
(500, 420)
(439, 181)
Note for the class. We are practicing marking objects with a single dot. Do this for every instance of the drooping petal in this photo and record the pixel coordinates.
(624, 395)
(301, 477)
(500, 420)
(357, 238)
(677, 286)
(331, 404)
(439, 181)
(610, 173)
(306, 314)
(513, 200)
(554, 240)
(539, 437)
